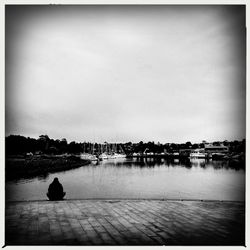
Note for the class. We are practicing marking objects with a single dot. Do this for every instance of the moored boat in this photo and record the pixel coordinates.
(104, 156)
(198, 153)
(87, 156)
(119, 155)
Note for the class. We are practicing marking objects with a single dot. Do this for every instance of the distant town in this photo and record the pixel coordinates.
(26, 146)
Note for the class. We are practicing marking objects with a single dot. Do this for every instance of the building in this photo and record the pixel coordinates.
(216, 149)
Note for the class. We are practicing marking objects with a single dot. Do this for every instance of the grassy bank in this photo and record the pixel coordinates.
(24, 167)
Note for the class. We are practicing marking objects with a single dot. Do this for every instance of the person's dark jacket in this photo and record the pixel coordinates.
(55, 191)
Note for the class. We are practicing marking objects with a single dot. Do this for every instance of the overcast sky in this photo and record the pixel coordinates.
(126, 73)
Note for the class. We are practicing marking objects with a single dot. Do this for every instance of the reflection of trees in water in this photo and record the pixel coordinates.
(237, 165)
(202, 163)
(124, 164)
(138, 162)
(231, 164)
(151, 162)
(147, 162)
(185, 162)
(219, 164)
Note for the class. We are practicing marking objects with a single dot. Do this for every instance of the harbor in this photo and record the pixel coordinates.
(105, 151)
(111, 203)
(125, 124)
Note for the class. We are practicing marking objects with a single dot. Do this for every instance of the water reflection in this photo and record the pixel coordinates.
(183, 162)
(151, 162)
(43, 176)
(141, 178)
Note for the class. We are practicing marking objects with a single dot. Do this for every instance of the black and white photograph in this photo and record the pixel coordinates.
(125, 124)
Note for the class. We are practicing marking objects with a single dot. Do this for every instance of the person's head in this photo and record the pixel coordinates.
(56, 179)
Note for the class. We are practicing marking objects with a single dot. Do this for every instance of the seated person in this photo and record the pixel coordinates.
(55, 191)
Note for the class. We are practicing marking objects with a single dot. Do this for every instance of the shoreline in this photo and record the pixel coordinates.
(115, 200)
(17, 168)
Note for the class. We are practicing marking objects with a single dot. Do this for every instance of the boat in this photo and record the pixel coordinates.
(135, 154)
(87, 156)
(111, 152)
(104, 156)
(198, 153)
(119, 155)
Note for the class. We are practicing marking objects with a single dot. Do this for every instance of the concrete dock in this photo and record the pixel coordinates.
(125, 222)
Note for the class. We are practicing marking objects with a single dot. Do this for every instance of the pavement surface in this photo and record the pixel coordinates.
(125, 222)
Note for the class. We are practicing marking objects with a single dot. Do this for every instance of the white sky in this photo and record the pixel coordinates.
(126, 73)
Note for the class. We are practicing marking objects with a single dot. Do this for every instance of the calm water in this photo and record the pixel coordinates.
(132, 178)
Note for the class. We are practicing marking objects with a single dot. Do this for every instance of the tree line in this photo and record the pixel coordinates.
(17, 144)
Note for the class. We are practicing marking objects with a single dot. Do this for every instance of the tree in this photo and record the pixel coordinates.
(195, 145)
(44, 142)
(63, 145)
(188, 144)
